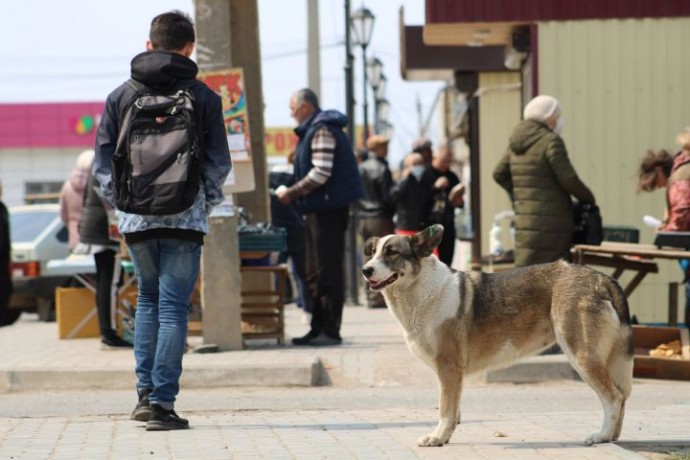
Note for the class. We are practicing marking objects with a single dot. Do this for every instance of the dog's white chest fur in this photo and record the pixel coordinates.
(424, 307)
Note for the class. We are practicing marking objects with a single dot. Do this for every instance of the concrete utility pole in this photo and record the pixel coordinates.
(220, 273)
(228, 36)
(313, 47)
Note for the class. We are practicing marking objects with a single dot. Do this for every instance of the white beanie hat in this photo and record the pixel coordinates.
(541, 108)
(85, 160)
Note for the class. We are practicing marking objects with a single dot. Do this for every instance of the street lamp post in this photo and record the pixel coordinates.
(374, 74)
(383, 110)
(362, 24)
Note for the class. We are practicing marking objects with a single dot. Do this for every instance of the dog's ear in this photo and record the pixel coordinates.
(370, 247)
(424, 242)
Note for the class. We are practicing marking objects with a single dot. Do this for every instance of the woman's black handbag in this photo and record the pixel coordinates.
(588, 225)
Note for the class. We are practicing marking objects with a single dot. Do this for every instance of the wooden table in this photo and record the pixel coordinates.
(638, 258)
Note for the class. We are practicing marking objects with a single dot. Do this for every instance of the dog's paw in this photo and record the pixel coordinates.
(431, 440)
(597, 438)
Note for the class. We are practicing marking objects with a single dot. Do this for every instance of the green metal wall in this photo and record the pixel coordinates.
(622, 84)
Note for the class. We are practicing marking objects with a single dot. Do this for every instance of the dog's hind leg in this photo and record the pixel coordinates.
(621, 369)
(619, 423)
(595, 373)
(450, 387)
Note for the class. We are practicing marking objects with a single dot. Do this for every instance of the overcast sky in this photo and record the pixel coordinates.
(79, 50)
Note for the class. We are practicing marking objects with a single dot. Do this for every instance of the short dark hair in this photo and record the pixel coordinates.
(308, 96)
(172, 31)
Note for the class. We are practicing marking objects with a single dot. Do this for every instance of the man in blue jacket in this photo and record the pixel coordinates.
(165, 249)
(326, 183)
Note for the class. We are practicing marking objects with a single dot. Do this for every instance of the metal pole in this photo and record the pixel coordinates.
(351, 278)
(475, 205)
(365, 103)
(314, 52)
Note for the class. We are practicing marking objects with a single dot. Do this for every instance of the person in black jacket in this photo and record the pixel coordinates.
(412, 196)
(95, 239)
(5, 275)
(447, 194)
(287, 217)
(376, 207)
(165, 249)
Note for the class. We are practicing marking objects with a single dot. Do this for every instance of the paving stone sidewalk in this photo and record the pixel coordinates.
(373, 356)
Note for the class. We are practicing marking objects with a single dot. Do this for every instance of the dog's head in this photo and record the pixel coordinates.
(391, 258)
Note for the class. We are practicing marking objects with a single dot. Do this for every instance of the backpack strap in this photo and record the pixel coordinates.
(188, 84)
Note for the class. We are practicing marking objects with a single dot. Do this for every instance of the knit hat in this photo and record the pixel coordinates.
(541, 108)
(85, 160)
(683, 138)
(375, 141)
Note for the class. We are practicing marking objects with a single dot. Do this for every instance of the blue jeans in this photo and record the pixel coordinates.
(166, 271)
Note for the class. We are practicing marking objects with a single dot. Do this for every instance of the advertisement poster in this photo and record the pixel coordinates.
(229, 84)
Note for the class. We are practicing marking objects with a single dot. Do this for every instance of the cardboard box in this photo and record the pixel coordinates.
(76, 313)
(646, 338)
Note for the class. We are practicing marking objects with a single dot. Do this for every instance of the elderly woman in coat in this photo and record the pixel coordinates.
(72, 196)
(540, 180)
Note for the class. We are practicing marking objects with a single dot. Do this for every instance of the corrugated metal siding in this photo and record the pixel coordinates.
(445, 11)
(499, 111)
(621, 83)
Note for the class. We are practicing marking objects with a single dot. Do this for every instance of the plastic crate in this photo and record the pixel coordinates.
(274, 240)
(621, 234)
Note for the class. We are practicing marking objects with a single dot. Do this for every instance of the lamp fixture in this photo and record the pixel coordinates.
(362, 25)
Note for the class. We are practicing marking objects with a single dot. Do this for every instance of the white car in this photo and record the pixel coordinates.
(38, 235)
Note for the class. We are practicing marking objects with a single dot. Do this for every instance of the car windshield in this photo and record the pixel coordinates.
(26, 226)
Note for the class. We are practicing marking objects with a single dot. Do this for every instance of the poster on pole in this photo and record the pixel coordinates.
(229, 85)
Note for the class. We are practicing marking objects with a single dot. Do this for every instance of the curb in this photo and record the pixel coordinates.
(264, 375)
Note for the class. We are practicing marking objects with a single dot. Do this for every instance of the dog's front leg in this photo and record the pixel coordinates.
(450, 388)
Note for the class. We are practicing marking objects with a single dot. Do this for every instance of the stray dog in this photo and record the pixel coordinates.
(459, 323)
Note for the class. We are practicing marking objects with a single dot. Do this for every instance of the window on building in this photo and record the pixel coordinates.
(42, 192)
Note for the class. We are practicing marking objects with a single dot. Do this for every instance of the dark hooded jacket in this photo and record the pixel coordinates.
(166, 71)
(540, 180)
(93, 225)
(5, 258)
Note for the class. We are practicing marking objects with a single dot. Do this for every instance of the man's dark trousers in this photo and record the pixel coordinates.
(325, 269)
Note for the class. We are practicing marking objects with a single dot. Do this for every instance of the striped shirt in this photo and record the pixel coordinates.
(322, 151)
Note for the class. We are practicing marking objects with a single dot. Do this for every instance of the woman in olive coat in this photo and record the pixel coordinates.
(540, 180)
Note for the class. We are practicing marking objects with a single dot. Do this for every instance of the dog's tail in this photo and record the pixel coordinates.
(618, 299)
(621, 357)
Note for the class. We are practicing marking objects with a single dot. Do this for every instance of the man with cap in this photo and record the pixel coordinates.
(540, 181)
(422, 146)
(376, 207)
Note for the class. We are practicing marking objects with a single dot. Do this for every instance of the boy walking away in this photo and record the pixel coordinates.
(161, 158)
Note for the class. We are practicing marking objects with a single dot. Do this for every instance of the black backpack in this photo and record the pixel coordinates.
(157, 161)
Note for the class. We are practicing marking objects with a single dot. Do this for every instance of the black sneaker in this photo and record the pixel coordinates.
(320, 340)
(142, 411)
(325, 340)
(164, 420)
(304, 340)
(108, 342)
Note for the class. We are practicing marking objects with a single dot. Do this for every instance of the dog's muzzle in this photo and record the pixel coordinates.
(376, 285)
